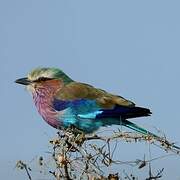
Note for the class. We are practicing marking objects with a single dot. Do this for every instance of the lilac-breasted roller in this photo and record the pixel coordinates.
(63, 102)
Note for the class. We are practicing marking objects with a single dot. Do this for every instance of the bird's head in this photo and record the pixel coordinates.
(41, 77)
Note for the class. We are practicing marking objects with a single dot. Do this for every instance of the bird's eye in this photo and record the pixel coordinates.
(40, 79)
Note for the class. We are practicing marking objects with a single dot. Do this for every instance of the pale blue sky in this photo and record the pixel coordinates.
(131, 48)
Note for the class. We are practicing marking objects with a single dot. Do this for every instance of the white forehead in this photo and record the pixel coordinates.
(41, 72)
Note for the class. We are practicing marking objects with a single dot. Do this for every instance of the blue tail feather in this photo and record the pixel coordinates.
(137, 128)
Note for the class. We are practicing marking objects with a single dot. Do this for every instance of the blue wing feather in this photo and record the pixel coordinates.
(60, 105)
(124, 112)
(86, 108)
(86, 114)
(80, 113)
(79, 106)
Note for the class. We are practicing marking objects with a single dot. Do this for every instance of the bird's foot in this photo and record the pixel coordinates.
(75, 134)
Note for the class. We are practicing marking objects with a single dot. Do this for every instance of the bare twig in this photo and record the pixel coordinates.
(77, 155)
(21, 165)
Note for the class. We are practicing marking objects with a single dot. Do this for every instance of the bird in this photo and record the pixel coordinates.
(63, 102)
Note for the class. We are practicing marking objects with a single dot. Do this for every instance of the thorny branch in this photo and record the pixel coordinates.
(22, 165)
(80, 156)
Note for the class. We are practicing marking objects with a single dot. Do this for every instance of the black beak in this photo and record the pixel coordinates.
(23, 81)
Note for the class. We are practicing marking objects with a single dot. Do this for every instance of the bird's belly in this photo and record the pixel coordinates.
(52, 122)
(49, 115)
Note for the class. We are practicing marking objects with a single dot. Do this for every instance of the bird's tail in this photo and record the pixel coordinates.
(145, 132)
(137, 128)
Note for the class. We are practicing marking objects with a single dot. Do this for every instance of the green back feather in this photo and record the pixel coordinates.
(60, 74)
